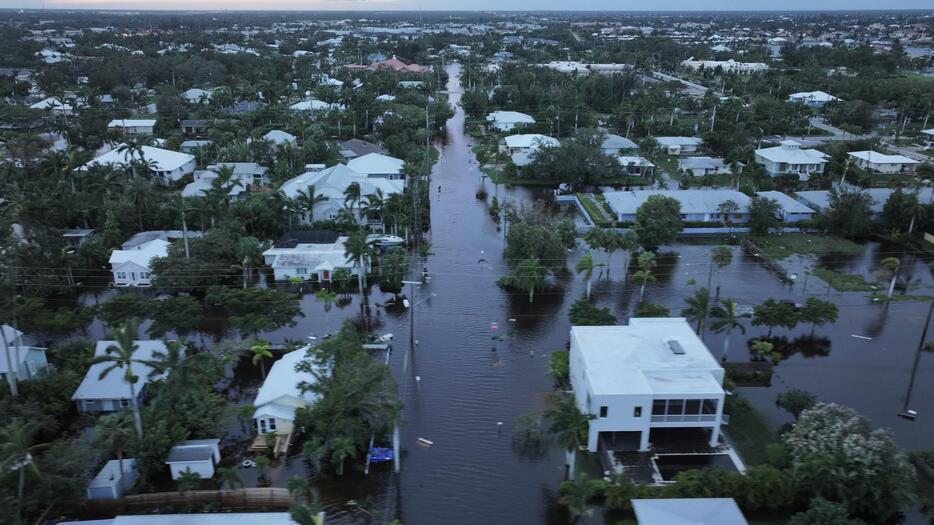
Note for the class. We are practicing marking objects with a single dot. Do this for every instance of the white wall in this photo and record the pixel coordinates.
(203, 468)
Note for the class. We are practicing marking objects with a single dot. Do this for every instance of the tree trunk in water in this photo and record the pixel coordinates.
(137, 419)
(185, 235)
(726, 347)
(642, 292)
(531, 294)
(609, 257)
(891, 286)
(588, 287)
(570, 459)
(262, 367)
(11, 372)
(122, 476)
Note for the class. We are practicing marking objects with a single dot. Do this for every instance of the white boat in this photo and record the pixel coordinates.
(385, 240)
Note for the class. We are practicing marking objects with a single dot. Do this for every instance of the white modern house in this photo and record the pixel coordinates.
(508, 120)
(197, 96)
(111, 392)
(309, 261)
(688, 511)
(199, 456)
(280, 395)
(26, 360)
(133, 126)
(789, 158)
(171, 165)
(814, 99)
(726, 66)
(696, 205)
(654, 373)
(331, 184)
(679, 145)
(882, 163)
(378, 165)
(246, 177)
(280, 138)
(111, 482)
(131, 267)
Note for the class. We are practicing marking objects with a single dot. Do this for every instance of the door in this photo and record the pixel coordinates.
(262, 426)
(327, 276)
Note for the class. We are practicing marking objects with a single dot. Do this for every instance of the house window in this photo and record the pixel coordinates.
(675, 407)
(637, 412)
(272, 424)
(144, 275)
(124, 403)
(692, 407)
(301, 271)
(658, 407)
(121, 276)
(710, 406)
(604, 411)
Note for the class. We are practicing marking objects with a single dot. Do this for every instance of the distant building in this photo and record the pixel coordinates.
(280, 138)
(726, 66)
(392, 64)
(315, 106)
(331, 183)
(133, 127)
(310, 261)
(198, 456)
(700, 166)
(581, 68)
(654, 373)
(245, 177)
(508, 120)
(170, 165)
(696, 205)
(357, 148)
(789, 158)
(679, 145)
(197, 96)
(615, 144)
(28, 361)
(635, 165)
(814, 99)
(927, 136)
(513, 144)
(688, 511)
(220, 518)
(110, 482)
(132, 267)
(882, 163)
(791, 210)
(280, 395)
(76, 237)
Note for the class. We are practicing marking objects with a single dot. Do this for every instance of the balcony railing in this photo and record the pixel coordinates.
(684, 419)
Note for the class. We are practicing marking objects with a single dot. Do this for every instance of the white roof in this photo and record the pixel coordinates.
(690, 163)
(385, 98)
(882, 158)
(929, 132)
(815, 96)
(51, 103)
(531, 140)
(692, 201)
(679, 141)
(617, 142)
(787, 203)
(638, 358)
(331, 182)
(820, 199)
(625, 160)
(688, 511)
(315, 105)
(510, 117)
(109, 475)
(313, 256)
(282, 381)
(279, 137)
(113, 385)
(790, 152)
(165, 160)
(132, 123)
(221, 518)
(141, 254)
(11, 334)
(376, 164)
(196, 93)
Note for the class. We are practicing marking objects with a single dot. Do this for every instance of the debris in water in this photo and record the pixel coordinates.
(424, 442)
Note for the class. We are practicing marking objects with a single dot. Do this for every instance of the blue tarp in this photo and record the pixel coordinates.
(378, 454)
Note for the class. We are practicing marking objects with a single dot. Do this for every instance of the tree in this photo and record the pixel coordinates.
(727, 209)
(843, 458)
(652, 310)
(720, 257)
(307, 513)
(727, 319)
(658, 221)
(774, 313)
(182, 207)
(120, 355)
(586, 266)
(569, 425)
(113, 433)
(848, 214)
(528, 276)
(890, 266)
(900, 211)
(327, 297)
(307, 199)
(576, 495)
(646, 263)
(584, 313)
(341, 448)
(260, 352)
(229, 477)
(796, 401)
(818, 312)
(16, 453)
(188, 480)
(394, 267)
(253, 310)
(359, 251)
(180, 314)
(526, 240)
(764, 214)
(698, 308)
(823, 512)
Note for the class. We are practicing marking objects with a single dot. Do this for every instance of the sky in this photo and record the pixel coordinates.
(472, 5)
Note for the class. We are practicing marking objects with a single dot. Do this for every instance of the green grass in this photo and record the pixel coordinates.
(749, 431)
(845, 282)
(595, 209)
(899, 297)
(668, 164)
(782, 246)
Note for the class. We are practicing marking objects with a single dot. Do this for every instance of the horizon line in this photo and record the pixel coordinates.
(479, 11)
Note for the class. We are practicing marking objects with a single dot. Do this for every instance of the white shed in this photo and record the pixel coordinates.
(110, 482)
(197, 455)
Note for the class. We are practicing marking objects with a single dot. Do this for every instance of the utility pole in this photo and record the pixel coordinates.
(906, 412)
(713, 118)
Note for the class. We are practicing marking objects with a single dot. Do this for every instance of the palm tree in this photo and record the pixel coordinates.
(16, 453)
(529, 275)
(586, 266)
(646, 262)
(352, 194)
(341, 448)
(307, 199)
(298, 484)
(119, 355)
(726, 318)
(188, 480)
(314, 451)
(569, 425)
(182, 207)
(577, 495)
(139, 192)
(229, 477)
(359, 251)
(374, 204)
(307, 514)
(890, 266)
(260, 351)
(698, 307)
(132, 151)
(114, 432)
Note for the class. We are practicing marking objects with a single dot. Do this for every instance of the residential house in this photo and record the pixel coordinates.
(191, 146)
(679, 145)
(696, 205)
(635, 165)
(791, 210)
(700, 166)
(688, 511)
(411, 84)
(393, 64)
(170, 165)
(55, 105)
(280, 138)
(197, 96)
(788, 158)
(198, 456)
(133, 126)
(814, 99)
(26, 360)
(194, 126)
(310, 261)
(882, 163)
(112, 481)
(280, 395)
(315, 106)
(130, 267)
(246, 177)
(357, 148)
(819, 200)
(77, 236)
(377, 165)
(243, 107)
(725, 66)
(331, 183)
(111, 392)
(508, 120)
(615, 145)
(513, 144)
(927, 137)
(655, 373)
(141, 238)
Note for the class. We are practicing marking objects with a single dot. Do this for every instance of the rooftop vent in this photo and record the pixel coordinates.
(675, 347)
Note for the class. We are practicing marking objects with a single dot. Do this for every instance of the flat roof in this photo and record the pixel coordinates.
(638, 359)
(688, 511)
(692, 201)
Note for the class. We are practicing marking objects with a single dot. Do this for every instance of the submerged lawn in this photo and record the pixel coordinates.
(784, 245)
(749, 431)
(845, 282)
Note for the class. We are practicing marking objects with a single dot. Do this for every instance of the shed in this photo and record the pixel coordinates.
(110, 483)
(197, 455)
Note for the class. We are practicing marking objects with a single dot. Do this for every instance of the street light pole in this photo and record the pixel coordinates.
(906, 412)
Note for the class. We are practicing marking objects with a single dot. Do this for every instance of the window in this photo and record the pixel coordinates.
(637, 412)
(710, 406)
(301, 271)
(144, 275)
(272, 424)
(675, 407)
(604, 411)
(124, 403)
(692, 407)
(121, 276)
(658, 407)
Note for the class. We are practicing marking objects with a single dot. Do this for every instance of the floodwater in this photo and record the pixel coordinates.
(463, 388)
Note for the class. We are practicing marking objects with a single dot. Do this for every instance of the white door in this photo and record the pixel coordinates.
(262, 426)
